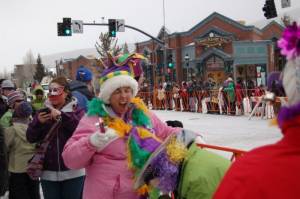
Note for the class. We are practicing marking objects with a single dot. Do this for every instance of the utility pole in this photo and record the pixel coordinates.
(165, 43)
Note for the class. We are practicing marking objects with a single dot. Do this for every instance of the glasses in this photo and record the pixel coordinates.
(56, 91)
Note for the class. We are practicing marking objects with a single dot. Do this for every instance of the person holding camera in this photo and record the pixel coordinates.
(57, 180)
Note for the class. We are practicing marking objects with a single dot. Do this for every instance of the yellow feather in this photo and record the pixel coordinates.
(176, 150)
(143, 190)
(140, 104)
(273, 122)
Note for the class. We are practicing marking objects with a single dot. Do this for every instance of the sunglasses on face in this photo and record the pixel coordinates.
(56, 90)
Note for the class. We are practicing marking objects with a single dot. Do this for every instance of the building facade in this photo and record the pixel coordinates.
(214, 49)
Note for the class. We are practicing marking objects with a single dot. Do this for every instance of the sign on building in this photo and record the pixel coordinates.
(77, 26)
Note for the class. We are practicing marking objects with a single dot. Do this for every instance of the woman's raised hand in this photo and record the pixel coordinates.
(44, 117)
(101, 140)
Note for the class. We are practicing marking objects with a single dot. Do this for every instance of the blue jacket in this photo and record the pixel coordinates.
(82, 88)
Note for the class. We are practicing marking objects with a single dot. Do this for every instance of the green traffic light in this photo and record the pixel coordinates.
(67, 31)
(170, 65)
(113, 33)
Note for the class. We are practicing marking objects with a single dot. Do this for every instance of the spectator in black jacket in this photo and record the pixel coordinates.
(3, 164)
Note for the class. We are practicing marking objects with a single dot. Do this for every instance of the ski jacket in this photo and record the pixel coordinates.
(107, 172)
(19, 149)
(54, 166)
(82, 88)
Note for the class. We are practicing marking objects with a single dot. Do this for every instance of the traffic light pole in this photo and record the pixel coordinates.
(130, 27)
(160, 42)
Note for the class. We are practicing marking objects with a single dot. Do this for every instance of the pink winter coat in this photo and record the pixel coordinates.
(107, 173)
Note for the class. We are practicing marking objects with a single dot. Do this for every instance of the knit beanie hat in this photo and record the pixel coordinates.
(13, 97)
(83, 74)
(7, 84)
(290, 47)
(118, 74)
(24, 110)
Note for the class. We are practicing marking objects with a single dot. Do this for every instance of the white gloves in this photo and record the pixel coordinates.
(199, 140)
(187, 136)
(101, 140)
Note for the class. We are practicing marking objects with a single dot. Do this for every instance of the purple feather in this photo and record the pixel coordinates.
(290, 41)
(167, 172)
(287, 113)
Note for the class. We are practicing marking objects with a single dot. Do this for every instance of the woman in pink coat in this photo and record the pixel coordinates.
(113, 153)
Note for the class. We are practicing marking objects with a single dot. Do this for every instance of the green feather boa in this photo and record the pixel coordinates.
(96, 107)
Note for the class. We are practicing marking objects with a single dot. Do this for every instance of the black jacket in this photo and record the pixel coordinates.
(3, 107)
(3, 164)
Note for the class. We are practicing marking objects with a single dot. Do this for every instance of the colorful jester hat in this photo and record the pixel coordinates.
(120, 71)
(135, 61)
(290, 47)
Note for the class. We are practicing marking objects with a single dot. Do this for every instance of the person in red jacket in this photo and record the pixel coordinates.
(273, 171)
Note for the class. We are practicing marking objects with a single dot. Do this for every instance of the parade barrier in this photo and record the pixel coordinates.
(213, 101)
(236, 153)
(265, 108)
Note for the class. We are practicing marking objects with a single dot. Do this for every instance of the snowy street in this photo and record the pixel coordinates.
(231, 131)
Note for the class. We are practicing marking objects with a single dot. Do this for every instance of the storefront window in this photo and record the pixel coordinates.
(214, 62)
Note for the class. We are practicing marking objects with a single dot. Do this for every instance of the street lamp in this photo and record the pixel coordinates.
(187, 60)
(61, 68)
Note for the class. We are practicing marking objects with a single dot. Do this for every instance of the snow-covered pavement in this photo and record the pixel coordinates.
(231, 131)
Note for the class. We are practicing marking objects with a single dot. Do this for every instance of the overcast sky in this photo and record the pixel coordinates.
(32, 24)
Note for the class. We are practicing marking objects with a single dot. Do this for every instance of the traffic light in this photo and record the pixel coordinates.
(269, 9)
(112, 27)
(170, 61)
(65, 28)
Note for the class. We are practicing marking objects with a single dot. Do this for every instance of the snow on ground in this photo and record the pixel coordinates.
(223, 130)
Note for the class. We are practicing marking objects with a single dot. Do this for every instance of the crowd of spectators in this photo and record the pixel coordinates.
(207, 97)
